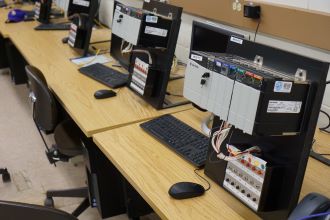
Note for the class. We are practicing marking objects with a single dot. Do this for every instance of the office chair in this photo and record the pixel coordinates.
(5, 175)
(49, 118)
(19, 211)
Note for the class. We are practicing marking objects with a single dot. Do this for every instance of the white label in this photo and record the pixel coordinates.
(147, 1)
(151, 19)
(275, 106)
(196, 57)
(236, 40)
(282, 86)
(218, 63)
(155, 31)
(83, 3)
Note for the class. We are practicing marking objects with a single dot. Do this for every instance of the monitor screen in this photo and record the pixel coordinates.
(206, 37)
(79, 6)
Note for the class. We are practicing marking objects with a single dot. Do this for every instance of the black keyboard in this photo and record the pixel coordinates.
(180, 137)
(60, 27)
(105, 75)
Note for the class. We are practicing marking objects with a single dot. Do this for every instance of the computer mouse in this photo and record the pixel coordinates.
(185, 190)
(65, 40)
(104, 93)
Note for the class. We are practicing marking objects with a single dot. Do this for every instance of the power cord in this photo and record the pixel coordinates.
(171, 94)
(255, 33)
(328, 116)
(208, 183)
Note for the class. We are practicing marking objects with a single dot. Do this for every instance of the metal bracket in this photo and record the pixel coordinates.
(258, 60)
(301, 75)
(32, 97)
(170, 15)
(154, 10)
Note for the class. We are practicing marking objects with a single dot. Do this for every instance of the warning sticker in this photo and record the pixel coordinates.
(83, 3)
(275, 106)
(282, 86)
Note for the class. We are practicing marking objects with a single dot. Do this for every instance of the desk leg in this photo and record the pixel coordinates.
(3, 54)
(104, 182)
(17, 63)
(135, 204)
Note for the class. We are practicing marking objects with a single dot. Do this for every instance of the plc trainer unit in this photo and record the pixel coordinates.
(256, 99)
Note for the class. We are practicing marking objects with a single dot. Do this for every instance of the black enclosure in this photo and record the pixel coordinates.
(287, 156)
(161, 50)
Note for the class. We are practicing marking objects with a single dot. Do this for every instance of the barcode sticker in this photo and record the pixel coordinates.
(282, 86)
(151, 19)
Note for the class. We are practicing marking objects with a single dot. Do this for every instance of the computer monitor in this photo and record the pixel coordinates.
(116, 51)
(43, 10)
(82, 28)
(79, 6)
(210, 38)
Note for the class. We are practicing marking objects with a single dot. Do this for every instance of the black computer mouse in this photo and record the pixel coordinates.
(65, 40)
(104, 93)
(185, 190)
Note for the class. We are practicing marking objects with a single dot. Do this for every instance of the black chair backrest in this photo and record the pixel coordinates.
(19, 211)
(45, 112)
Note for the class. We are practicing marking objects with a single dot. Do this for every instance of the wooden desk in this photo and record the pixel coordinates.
(45, 50)
(152, 168)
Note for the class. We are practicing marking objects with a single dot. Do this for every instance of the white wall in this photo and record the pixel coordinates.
(318, 5)
(183, 44)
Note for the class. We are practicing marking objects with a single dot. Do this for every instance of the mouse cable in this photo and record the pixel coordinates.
(208, 183)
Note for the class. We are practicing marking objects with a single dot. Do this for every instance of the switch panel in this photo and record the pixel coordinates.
(126, 23)
(245, 178)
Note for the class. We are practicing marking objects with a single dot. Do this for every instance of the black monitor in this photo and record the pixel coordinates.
(210, 38)
(116, 51)
(80, 6)
(43, 11)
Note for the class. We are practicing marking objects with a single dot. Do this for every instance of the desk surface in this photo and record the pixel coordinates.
(152, 168)
(45, 50)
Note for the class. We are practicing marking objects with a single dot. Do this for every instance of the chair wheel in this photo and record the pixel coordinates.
(49, 202)
(6, 177)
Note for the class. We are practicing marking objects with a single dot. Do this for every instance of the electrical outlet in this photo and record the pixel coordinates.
(234, 6)
(238, 6)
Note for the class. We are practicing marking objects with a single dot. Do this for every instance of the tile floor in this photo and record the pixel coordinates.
(22, 152)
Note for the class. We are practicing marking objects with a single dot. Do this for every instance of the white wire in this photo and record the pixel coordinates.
(204, 126)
